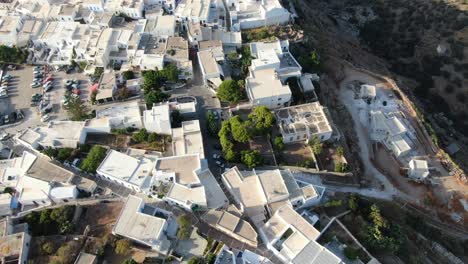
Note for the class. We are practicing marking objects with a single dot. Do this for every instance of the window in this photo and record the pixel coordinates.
(279, 99)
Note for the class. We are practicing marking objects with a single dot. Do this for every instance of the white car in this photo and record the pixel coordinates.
(220, 164)
(45, 118)
(4, 87)
(216, 156)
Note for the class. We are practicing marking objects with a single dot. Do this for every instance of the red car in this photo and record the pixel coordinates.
(49, 78)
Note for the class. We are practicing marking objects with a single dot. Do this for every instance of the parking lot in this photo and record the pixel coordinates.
(20, 93)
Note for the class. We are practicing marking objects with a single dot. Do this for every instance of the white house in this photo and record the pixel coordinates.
(293, 240)
(165, 26)
(303, 122)
(390, 131)
(158, 119)
(133, 173)
(9, 28)
(259, 193)
(418, 169)
(192, 185)
(253, 14)
(143, 228)
(265, 88)
(188, 139)
(131, 8)
(275, 55)
(122, 115)
(211, 71)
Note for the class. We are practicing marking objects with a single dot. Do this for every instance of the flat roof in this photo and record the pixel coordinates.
(214, 194)
(231, 224)
(12, 245)
(44, 170)
(85, 258)
(187, 195)
(158, 119)
(57, 134)
(188, 139)
(283, 219)
(247, 190)
(180, 47)
(122, 114)
(300, 118)
(208, 62)
(126, 168)
(265, 83)
(184, 168)
(144, 228)
(272, 184)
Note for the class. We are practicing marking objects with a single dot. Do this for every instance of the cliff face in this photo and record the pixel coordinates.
(422, 44)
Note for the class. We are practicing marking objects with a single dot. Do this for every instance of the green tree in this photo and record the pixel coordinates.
(341, 167)
(12, 54)
(195, 260)
(153, 137)
(251, 158)
(229, 91)
(128, 75)
(239, 130)
(351, 253)
(141, 136)
(64, 154)
(155, 96)
(50, 152)
(340, 151)
(376, 217)
(122, 246)
(65, 253)
(353, 203)
(94, 158)
(210, 259)
(212, 123)
(316, 145)
(129, 261)
(278, 143)
(48, 248)
(151, 81)
(76, 109)
(185, 227)
(169, 73)
(263, 120)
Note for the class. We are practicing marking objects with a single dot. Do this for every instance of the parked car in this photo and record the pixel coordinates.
(46, 109)
(6, 119)
(216, 156)
(45, 118)
(4, 87)
(47, 83)
(35, 84)
(47, 79)
(48, 88)
(220, 164)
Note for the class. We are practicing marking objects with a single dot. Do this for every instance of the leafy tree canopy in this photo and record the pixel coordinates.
(95, 156)
(251, 158)
(262, 119)
(229, 91)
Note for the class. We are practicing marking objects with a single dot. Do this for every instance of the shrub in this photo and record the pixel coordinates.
(229, 91)
(48, 248)
(351, 253)
(94, 158)
(341, 167)
(140, 136)
(278, 143)
(185, 227)
(64, 154)
(122, 246)
(251, 158)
